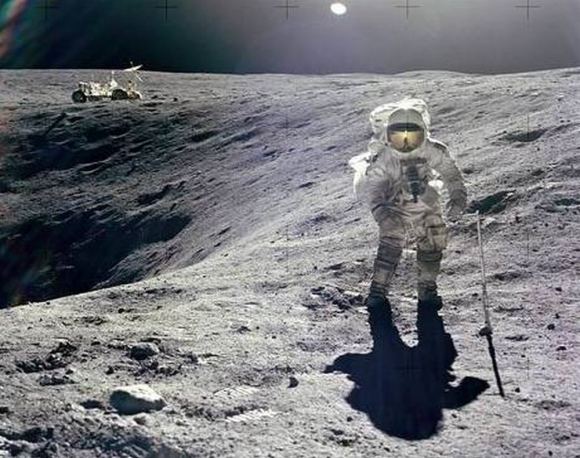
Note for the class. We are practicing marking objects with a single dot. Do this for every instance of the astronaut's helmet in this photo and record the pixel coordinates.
(405, 130)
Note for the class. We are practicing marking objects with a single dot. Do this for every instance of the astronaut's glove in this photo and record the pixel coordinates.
(456, 205)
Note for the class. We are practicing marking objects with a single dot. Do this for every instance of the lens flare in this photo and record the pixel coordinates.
(10, 13)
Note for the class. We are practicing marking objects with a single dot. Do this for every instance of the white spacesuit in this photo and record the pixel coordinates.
(397, 178)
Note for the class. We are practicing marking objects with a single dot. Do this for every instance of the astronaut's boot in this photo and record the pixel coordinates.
(428, 266)
(388, 256)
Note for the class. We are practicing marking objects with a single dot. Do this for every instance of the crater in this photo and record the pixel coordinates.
(241, 137)
(73, 252)
(527, 136)
(494, 203)
(59, 157)
(203, 136)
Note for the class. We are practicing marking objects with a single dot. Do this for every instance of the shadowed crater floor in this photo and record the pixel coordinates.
(75, 251)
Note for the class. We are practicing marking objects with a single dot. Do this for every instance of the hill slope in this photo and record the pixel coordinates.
(231, 197)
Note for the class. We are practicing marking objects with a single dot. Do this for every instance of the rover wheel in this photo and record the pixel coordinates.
(79, 97)
(119, 94)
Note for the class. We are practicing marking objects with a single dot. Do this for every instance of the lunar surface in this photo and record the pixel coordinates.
(183, 276)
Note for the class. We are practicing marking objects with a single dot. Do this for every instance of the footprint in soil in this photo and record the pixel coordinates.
(58, 358)
(322, 296)
(235, 404)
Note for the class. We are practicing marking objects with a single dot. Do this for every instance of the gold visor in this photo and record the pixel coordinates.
(405, 137)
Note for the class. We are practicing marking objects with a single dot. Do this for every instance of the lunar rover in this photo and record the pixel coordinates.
(111, 90)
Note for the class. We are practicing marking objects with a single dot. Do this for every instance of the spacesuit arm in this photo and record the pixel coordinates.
(442, 162)
(371, 187)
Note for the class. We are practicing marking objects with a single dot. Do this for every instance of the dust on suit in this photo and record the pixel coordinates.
(400, 187)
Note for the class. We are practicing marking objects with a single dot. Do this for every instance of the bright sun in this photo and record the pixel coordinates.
(338, 8)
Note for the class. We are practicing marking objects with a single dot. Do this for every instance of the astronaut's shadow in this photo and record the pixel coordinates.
(403, 389)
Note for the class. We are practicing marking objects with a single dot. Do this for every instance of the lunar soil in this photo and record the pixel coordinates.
(184, 276)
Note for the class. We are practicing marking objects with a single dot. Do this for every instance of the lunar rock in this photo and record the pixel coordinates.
(144, 350)
(135, 399)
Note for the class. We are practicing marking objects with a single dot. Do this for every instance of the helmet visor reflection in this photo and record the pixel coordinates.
(405, 137)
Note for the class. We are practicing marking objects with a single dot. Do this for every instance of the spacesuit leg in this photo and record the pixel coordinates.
(432, 239)
(391, 241)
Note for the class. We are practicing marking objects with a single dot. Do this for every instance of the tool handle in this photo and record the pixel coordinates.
(483, 281)
(494, 364)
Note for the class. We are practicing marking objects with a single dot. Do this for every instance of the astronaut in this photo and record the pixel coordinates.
(397, 177)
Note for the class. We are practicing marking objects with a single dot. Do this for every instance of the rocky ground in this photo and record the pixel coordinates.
(211, 252)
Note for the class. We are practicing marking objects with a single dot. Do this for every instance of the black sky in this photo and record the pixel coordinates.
(250, 36)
